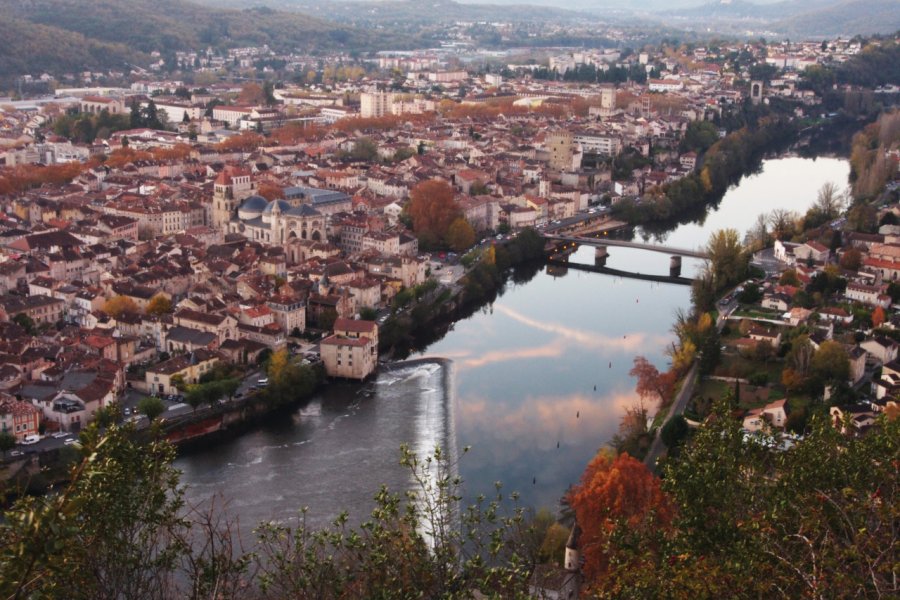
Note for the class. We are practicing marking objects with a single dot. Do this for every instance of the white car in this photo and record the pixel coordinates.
(31, 439)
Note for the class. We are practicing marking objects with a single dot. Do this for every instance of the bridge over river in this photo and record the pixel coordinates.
(607, 242)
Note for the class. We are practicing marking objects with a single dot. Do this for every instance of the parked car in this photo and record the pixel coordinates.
(31, 439)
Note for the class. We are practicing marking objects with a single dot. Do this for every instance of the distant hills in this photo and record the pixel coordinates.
(410, 11)
(795, 18)
(40, 35)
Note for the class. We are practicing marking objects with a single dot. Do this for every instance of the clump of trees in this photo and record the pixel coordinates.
(25, 177)
(436, 216)
(734, 518)
(84, 128)
(289, 380)
(122, 529)
(870, 166)
(724, 163)
(119, 305)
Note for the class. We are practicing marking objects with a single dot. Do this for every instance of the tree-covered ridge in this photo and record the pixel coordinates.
(27, 47)
(51, 35)
(175, 24)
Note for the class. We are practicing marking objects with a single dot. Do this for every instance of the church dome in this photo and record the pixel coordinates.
(283, 206)
(254, 204)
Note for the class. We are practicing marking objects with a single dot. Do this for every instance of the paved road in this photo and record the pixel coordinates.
(684, 395)
(676, 408)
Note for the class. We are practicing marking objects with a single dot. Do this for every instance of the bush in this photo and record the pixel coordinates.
(759, 379)
(674, 431)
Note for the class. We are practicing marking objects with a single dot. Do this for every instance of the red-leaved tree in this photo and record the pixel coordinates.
(616, 494)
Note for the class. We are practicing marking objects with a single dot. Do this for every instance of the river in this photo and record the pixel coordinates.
(538, 382)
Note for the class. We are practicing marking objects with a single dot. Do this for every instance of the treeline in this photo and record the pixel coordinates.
(84, 128)
(870, 165)
(591, 74)
(724, 163)
(430, 313)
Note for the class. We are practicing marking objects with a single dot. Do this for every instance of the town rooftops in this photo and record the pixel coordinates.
(354, 326)
(339, 340)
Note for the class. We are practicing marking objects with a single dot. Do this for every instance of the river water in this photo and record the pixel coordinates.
(536, 385)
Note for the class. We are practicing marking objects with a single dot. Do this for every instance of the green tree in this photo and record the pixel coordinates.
(151, 407)
(460, 235)
(727, 258)
(674, 431)
(26, 322)
(364, 148)
(113, 533)
(7, 442)
(830, 365)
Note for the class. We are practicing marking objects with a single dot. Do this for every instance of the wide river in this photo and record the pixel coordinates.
(536, 384)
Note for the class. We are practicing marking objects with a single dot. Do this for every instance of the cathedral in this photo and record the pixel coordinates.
(236, 209)
(277, 221)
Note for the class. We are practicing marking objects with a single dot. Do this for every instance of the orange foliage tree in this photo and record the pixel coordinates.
(381, 123)
(251, 94)
(296, 132)
(270, 190)
(25, 177)
(878, 317)
(650, 382)
(120, 157)
(176, 152)
(119, 305)
(246, 141)
(616, 494)
(433, 208)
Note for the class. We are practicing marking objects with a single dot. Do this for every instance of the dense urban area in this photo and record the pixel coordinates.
(196, 236)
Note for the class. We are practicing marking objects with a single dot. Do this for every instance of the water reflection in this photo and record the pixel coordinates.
(525, 375)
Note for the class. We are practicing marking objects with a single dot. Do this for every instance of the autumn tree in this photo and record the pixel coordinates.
(851, 259)
(251, 94)
(160, 304)
(460, 235)
(878, 317)
(270, 190)
(119, 305)
(288, 380)
(615, 492)
(651, 384)
(433, 209)
(246, 141)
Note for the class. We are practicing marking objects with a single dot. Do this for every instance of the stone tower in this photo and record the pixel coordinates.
(756, 92)
(561, 145)
(231, 186)
(224, 203)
